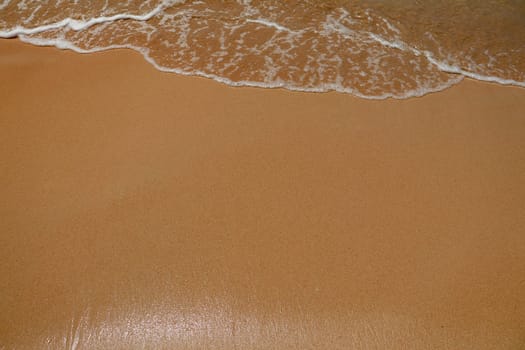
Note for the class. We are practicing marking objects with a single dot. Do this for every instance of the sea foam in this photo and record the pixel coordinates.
(350, 47)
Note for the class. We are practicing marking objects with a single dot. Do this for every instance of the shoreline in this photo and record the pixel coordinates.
(465, 76)
(254, 84)
(137, 200)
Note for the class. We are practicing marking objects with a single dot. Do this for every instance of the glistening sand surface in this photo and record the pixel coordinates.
(148, 210)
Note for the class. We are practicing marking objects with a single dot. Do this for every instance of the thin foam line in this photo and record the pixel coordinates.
(80, 25)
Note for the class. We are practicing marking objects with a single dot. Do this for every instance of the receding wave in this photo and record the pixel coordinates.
(371, 49)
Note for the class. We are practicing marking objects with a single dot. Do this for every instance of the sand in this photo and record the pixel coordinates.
(141, 209)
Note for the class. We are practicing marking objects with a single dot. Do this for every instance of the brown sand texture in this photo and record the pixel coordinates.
(145, 210)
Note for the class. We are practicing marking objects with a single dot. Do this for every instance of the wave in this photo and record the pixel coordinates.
(369, 49)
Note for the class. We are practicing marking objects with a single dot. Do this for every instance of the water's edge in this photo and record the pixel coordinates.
(334, 51)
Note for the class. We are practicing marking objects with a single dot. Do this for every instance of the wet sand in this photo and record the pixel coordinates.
(141, 209)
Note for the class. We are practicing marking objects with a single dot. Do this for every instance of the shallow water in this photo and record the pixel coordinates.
(371, 49)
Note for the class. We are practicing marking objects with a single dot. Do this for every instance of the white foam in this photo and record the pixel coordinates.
(394, 44)
(318, 62)
(64, 44)
(270, 24)
(445, 67)
(80, 25)
(442, 66)
(4, 4)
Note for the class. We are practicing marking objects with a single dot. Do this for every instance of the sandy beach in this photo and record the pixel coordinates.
(142, 209)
